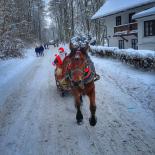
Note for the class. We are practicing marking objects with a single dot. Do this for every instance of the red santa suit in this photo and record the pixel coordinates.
(60, 57)
(58, 62)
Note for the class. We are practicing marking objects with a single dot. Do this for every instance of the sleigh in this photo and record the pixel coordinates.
(62, 84)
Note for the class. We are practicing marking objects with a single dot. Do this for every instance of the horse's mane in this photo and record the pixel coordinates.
(82, 49)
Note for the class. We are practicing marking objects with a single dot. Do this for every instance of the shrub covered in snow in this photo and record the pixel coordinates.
(10, 46)
(138, 58)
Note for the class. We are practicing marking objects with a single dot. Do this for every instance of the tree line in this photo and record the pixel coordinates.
(20, 21)
(23, 21)
(72, 17)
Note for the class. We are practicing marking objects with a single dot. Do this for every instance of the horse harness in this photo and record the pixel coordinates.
(86, 70)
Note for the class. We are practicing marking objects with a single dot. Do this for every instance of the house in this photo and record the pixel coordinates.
(121, 29)
(146, 28)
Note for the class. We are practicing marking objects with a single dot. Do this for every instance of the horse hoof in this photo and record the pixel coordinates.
(80, 122)
(93, 121)
(79, 117)
(62, 94)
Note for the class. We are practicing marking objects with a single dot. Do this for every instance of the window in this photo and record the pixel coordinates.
(149, 28)
(118, 20)
(121, 44)
(134, 44)
(130, 18)
(29, 3)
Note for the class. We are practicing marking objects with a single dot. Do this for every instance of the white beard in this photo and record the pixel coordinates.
(62, 56)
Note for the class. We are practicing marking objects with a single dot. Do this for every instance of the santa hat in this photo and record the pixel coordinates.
(61, 50)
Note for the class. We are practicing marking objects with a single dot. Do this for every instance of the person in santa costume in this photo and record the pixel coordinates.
(59, 57)
(58, 61)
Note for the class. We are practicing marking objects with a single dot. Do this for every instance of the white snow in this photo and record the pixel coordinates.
(144, 13)
(125, 32)
(34, 119)
(12, 67)
(114, 6)
(99, 48)
(12, 72)
(127, 77)
(127, 52)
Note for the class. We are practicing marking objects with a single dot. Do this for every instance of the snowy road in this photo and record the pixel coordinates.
(35, 120)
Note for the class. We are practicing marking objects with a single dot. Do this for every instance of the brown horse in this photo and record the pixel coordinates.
(81, 78)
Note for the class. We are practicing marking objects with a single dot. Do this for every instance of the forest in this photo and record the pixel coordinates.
(25, 22)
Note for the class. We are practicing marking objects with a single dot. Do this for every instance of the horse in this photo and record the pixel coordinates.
(80, 75)
(39, 51)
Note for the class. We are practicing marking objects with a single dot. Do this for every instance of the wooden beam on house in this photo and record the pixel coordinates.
(124, 38)
(136, 35)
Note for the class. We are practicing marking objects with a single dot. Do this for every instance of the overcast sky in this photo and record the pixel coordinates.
(46, 1)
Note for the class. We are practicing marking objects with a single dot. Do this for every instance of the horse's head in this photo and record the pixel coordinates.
(78, 66)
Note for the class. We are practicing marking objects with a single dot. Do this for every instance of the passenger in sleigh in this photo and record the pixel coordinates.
(59, 57)
(58, 61)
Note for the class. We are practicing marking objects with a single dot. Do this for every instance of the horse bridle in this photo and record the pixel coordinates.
(84, 65)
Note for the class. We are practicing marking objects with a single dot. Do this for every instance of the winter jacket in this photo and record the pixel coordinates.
(59, 59)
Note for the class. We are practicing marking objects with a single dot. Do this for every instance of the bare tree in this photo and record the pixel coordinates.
(74, 17)
(20, 20)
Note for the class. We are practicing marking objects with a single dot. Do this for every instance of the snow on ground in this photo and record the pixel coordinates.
(138, 84)
(34, 119)
(9, 69)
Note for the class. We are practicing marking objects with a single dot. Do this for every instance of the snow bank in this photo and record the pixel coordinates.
(14, 67)
(139, 58)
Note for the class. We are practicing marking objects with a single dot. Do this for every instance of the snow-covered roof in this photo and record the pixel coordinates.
(148, 12)
(114, 6)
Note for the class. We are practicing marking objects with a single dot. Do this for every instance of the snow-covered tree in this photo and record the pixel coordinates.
(74, 17)
(20, 20)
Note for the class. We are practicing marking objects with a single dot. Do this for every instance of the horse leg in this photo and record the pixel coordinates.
(79, 116)
(81, 99)
(92, 119)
